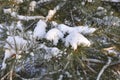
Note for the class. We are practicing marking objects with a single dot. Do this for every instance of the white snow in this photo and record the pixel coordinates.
(54, 24)
(3, 65)
(18, 1)
(64, 28)
(100, 8)
(81, 29)
(26, 18)
(8, 54)
(51, 51)
(50, 14)
(7, 11)
(75, 39)
(112, 0)
(19, 25)
(90, 0)
(32, 6)
(13, 14)
(40, 30)
(84, 30)
(10, 29)
(54, 35)
(1, 27)
(13, 43)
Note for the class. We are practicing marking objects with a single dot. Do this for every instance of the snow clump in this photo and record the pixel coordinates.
(76, 39)
(54, 35)
(40, 30)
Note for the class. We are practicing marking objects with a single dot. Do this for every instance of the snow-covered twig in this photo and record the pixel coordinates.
(26, 18)
(51, 13)
(112, 0)
(103, 69)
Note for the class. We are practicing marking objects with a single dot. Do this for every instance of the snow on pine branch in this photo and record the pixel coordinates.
(25, 18)
(14, 45)
(59, 32)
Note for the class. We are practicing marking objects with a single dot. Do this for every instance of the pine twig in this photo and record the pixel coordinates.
(3, 78)
(103, 69)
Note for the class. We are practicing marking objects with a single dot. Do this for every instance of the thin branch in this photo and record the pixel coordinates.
(91, 69)
(66, 65)
(28, 27)
(93, 60)
(103, 69)
(3, 78)
(73, 22)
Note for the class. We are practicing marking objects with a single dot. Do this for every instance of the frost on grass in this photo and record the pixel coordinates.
(40, 30)
(54, 35)
(76, 39)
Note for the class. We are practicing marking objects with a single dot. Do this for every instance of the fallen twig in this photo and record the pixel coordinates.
(103, 69)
